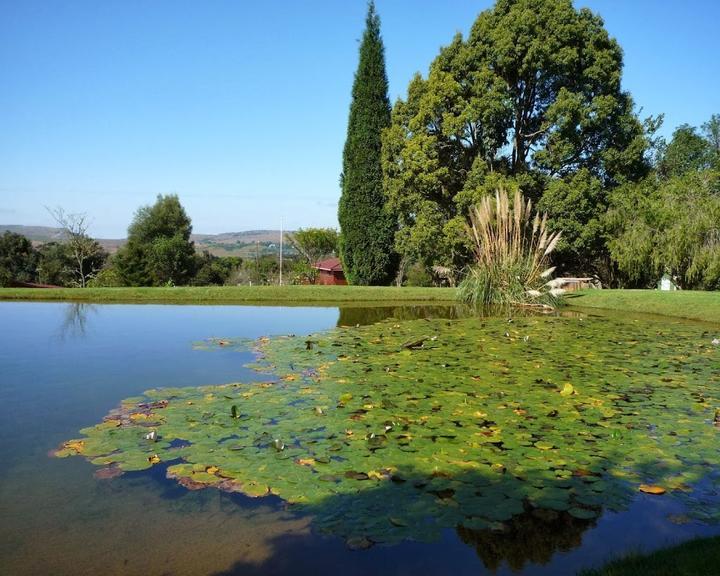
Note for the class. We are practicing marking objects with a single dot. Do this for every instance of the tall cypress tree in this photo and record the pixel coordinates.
(366, 229)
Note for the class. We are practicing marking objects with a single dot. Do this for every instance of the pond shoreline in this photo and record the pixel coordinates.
(691, 305)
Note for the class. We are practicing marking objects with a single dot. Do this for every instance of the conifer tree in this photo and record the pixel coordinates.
(366, 229)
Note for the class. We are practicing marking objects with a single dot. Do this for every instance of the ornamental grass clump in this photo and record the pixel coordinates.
(511, 248)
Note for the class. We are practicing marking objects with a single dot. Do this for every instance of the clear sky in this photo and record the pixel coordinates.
(240, 107)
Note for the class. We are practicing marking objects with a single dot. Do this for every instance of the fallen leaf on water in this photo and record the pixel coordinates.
(652, 489)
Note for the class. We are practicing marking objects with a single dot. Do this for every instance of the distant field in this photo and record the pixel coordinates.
(243, 244)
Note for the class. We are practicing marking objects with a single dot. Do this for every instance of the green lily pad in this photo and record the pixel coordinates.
(385, 442)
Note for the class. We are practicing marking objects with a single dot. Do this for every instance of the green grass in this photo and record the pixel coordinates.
(681, 304)
(699, 557)
(237, 294)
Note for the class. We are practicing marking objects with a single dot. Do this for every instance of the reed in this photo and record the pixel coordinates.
(511, 249)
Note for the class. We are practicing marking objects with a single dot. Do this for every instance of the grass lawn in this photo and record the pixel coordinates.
(682, 303)
(694, 558)
(238, 294)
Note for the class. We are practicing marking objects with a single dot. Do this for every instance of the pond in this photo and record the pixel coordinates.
(360, 440)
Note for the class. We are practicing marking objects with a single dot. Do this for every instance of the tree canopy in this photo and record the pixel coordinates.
(314, 243)
(670, 226)
(366, 229)
(531, 98)
(18, 259)
(159, 250)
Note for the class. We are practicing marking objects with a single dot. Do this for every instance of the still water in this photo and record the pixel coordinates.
(64, 366)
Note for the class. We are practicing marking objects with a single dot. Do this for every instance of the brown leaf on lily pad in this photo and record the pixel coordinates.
(108, 472)
(191, 484)
(356, 475)
(652, 489)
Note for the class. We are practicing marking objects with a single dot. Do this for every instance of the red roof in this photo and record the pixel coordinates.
(329, 265)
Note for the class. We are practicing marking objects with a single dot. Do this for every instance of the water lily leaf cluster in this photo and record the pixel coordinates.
(399, 429)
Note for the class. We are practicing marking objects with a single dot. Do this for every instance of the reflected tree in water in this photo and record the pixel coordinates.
(75, 320)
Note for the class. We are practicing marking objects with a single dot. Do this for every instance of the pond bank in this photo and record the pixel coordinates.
(236, 294)
(694, 558)
(692, 305)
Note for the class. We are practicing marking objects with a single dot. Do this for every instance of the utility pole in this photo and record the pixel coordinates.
(281, 248)
(257, 261)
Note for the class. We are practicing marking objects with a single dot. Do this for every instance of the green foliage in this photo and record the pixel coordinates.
(55, 264)
(85, 255)
(108, 277)
(159, 250)
(699, 557)
(399, 430)
(367, 229)
(711, 132)
(302, 272)
(18, 259)
(418, 275)
(511, 250)
(214, 270)
(576, 206)
(314, 244)
(689, 152)
(668, 226)
(533, 95)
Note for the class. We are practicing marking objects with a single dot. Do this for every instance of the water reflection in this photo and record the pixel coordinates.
(361, 316)
(56, 518)
(75, 320)
(530, 538)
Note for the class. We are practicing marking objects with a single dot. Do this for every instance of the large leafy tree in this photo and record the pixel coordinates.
(56, 264)
(531, 97)
(689, 151)
(668, 226)
(314, 243)
(18, 259)
(159, 250)
(366, 229)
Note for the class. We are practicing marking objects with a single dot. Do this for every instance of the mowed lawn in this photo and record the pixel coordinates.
(237, 294)
(681, 304)
(688, 304)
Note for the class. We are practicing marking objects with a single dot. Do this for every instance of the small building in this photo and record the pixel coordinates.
(330, 272)
(666, 283)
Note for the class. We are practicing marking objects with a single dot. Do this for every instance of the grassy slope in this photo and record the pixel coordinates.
(237, 294)
(694, 558)
(682, 304)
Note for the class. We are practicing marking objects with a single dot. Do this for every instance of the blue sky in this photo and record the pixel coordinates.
(240, 107)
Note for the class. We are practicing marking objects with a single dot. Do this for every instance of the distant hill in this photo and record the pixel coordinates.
(243, 244)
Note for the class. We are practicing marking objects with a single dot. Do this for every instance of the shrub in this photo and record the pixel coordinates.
(511, 249)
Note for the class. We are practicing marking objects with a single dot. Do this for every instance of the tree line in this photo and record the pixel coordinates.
(530, 100)
(158, 252)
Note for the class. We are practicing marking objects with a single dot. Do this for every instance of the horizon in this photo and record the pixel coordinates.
(108, 105)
